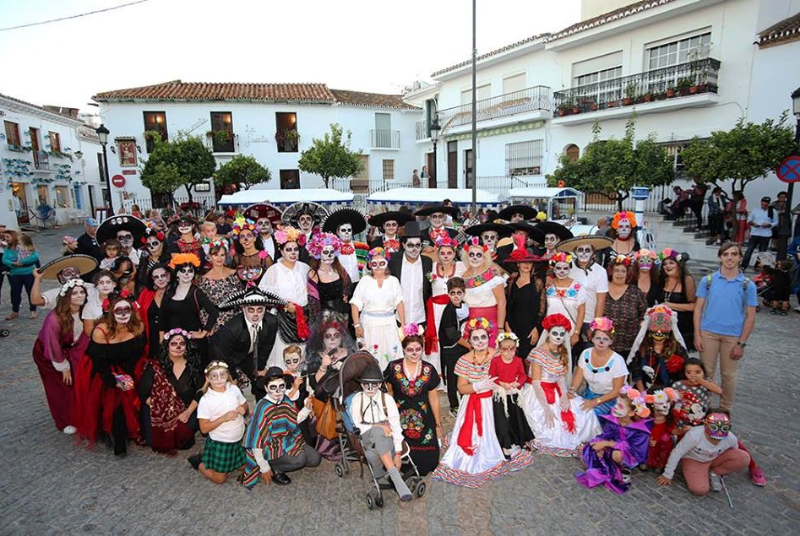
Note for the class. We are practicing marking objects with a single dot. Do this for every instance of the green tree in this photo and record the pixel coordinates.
(331, 157)
(612, 167)
(186, 161)
(747, 152)
(241, 171)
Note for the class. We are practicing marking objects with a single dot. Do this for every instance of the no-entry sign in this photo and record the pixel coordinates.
(789, 169)
(118, 181)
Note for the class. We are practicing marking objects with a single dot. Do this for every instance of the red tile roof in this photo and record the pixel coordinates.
(371, 100)
(588, 24)
(785, 31)
(201, 91)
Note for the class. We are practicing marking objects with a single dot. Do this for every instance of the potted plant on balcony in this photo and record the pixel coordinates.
(630, 94)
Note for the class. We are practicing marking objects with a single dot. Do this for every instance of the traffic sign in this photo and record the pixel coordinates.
(789, 169)
(118, 181)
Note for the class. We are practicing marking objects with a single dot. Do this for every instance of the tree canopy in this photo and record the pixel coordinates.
(186, 161)
(612, 167)
(331, 157)
(242, 172)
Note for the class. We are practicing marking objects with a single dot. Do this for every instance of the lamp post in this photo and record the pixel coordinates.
(102, 134)
(796, 111)
(435, 130)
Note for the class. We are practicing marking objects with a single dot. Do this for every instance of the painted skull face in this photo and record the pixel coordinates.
(413, 352)
(125, 238)
(479, 339)
(78, 296)
(327, 254)
(558, 335)
(584, 253)
(561, 270)
(185, 274)
(645, 263)
(345, 232)
(122, 312)
(475, 256)
(490, 238)
(264, 226)
(624, 229)
(105, 285)
(550, 241)
(291, 251)
(305, 222)
(332, 339)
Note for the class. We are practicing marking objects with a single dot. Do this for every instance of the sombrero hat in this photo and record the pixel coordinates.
(527, 211)
(83, 263)
(108, 229)
(502, 230)
(251, 296)
(427, 211)
(295, 210)
(401, 218)
(263, 210)
(534, 233)
(344, 215)
(597, 242)
(551, 227)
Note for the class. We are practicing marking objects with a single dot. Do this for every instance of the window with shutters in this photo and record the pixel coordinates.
(524, 158)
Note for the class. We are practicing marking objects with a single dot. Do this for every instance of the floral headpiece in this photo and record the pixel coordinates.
(669, 253)
(604, 324)
(557, 319)
(177, 331)
(662, 396)
(72, 283)
(412, 330)
(320, 240)
(475, 242)
(625, 260)
(560, 256)
(378, 252)
(215, 365)
(637, 401)
(477, 323)
(507, 336)
(289, 234)
(620, 216)
(241, 224)
(123, 294)
(446, 242)
(180, 259)
(645, 254)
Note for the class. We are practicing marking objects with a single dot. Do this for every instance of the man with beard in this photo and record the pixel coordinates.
(411, 269)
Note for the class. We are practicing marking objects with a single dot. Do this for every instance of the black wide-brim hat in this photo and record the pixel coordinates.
(551, 227)
(533, 232)
(295, 210)
(502, 230)
(427, 211)
(124, 222)
(402, 218)
(251, 296)
(527, 211)
(342, 216)
(262, 210)
(83, 263)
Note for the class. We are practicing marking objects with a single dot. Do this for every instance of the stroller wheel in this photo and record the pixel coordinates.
(371, 501)
(420, 491)
(339, 470)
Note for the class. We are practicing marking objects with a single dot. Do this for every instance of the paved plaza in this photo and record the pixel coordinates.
(51, 486)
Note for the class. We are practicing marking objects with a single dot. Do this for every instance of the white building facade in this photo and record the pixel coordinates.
(274, 123)
(47, 159)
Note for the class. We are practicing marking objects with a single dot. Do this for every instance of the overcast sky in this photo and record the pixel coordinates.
(367, 45)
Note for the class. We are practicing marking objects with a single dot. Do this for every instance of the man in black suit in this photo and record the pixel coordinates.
(246, 340)
(412, 269)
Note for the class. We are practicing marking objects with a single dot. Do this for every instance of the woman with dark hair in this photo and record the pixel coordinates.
(625, 304)
(677, 290)
(250, 252)
(219, 283)
(328, 281)
(184, 303)
(187, 243)
(645, 274)
(106, 403)
(169, 390)
(58, 349)
(150, 301)
(154, 252)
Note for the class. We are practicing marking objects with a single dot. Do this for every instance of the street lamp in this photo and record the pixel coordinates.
(102, 134)
(435, 130)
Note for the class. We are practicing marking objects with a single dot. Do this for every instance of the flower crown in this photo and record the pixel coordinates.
(72, 283)
(637, 401)
(123, 294)
(446, 242)
(477, 323)
(241, 224)
(507, 336)
(180, 259)
(290, 234)
(378, 252)
(474, 242)
(412, 330)
(320, 240)
(662, 396)
(624, 260)
(215, 365)
(620, 216)
(560, 256)
(177, 331)
(669, 253)
(603, 324)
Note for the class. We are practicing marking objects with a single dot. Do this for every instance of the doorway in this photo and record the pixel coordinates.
(452, 164)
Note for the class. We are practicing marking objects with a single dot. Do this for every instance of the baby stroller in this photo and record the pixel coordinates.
(341, 392)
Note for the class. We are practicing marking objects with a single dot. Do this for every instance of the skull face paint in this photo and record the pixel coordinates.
(584, 253)
(624, 229)
(550, 241)
(490, 238)
(345, 232)
(558, 335)
(479, 339)
(264, 226)
(122, 312)
(561, 270)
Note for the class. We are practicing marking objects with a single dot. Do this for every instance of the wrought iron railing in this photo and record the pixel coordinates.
(384, 139)
(518, 102)
(693, 77)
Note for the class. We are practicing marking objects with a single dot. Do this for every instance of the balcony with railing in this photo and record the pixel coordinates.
(384, 139)
(690, 84)
(525, 101)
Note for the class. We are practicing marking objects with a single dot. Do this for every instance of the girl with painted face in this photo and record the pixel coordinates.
(57, 351)
(220, 414)
(559, 423)
(475, 455)
(329, 287)
(510, 423)
(150, 300)
(677, 290)
(187, 307)
(565, 295)
(107, 401)
(486, 283)
(105, 282)
(187, 242)
(219, 283)
(413, 383)
(646, 274)
(602, 368)
(249, 248)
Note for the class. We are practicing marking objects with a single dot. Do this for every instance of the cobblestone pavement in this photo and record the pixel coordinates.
(50, 486)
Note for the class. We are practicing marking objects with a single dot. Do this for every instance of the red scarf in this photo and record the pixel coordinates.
(550, 389)
(431, 330)
(169, 433)
(473, 417)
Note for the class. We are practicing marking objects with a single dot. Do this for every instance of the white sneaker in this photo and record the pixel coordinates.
(715, 481)
(69, 430)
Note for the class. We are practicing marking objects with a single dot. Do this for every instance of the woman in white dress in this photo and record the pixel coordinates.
(565, 295)
(474, 455)
(558, 422)
(376, 305)
(288, 278)
(485, 296)
(444, 268)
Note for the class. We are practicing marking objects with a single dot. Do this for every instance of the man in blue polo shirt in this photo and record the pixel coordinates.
(724, 317)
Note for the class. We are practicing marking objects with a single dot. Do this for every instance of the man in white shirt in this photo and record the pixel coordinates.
(761, 220)
(411, 268)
